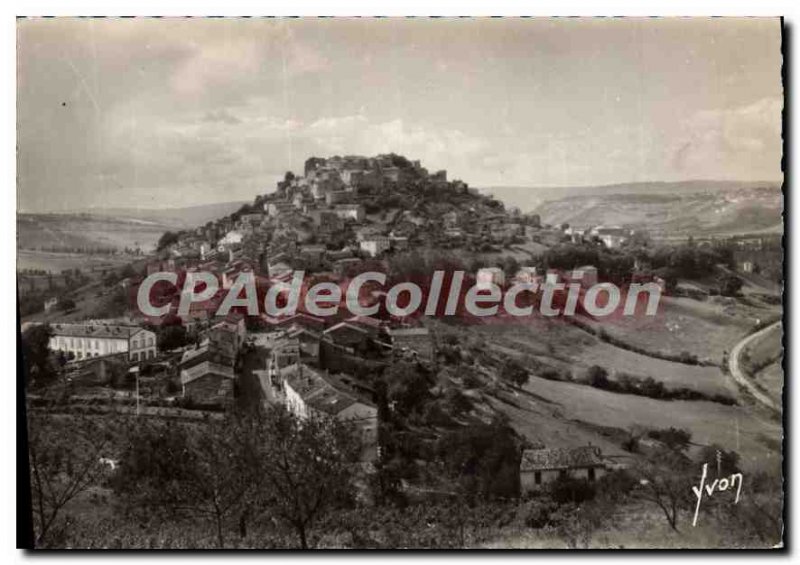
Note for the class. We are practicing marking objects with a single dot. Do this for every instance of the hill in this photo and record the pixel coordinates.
(662, 208)
(111, 228)
(184, 217)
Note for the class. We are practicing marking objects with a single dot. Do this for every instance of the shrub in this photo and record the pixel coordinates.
(567, 489)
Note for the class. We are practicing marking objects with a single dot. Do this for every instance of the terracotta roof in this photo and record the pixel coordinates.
(560, 458)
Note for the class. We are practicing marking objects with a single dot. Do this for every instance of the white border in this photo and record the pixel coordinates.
(311, 8)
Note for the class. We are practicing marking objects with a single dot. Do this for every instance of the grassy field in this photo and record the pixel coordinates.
(574, 350)
(771, 380)
(57, 262)
(703, 328)
(564, 413)
(754, 436)
(762, 360)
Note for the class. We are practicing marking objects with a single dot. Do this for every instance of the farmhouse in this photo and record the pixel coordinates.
(539, 467)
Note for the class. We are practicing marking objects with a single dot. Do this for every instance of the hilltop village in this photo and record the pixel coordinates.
(427, 401)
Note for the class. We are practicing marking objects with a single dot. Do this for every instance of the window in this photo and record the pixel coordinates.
(591, 474)
(562, 474)
(537, 477)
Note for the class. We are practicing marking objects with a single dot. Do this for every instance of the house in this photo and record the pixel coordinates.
(277, 208)
(231, 238)
(539, 467)
(450, 219)
(611, 236)
(231, 330)
(208, 382)
(349, 335)
(96, 340)
(338, 197)
(398, 242)
(526, 275)
(310, 393)
(252, 219)
(375, 245)
(326, 221)
(350, 212)
(314, 252)
(414, 339)
(439, 177)
(300, 319)
(488, 276)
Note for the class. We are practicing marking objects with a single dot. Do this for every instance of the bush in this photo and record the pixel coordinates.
(538, 512)
(566, 489)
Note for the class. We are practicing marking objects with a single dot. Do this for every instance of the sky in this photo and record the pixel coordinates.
(156, 113)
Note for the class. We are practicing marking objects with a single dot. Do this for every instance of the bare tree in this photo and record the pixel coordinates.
(307, 466)
(65, 454)
(197, 471)
(665, 480)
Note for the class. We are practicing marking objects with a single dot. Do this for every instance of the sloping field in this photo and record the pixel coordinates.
(771, 380)
(705, 329)
(753, 436)
(572, 349)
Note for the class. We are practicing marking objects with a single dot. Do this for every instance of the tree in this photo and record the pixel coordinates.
(407, 386)
(597, 376)
(729, 284)
(169, 238)
(67, 304)
(36, 356)
(305, 467)
(172, 337)
(187, 470)
(64, 453)
(675, 439)
(514, 373)
(482, 460)
(665, 479)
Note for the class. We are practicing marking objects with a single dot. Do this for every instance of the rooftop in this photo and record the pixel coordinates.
(560, 458)
(95, 330)
(317, 392)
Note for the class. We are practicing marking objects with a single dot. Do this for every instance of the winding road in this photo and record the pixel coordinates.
(738, 374)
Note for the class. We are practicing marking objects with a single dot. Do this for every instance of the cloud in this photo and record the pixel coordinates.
(222, 117)
(743, 142)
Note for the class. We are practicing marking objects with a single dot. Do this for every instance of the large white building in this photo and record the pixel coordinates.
(96, 340)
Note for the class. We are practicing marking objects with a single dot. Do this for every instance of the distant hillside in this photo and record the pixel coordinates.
(664, 208)
(111, 228)
(187, 217)
(529, 198)
(75, 232)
